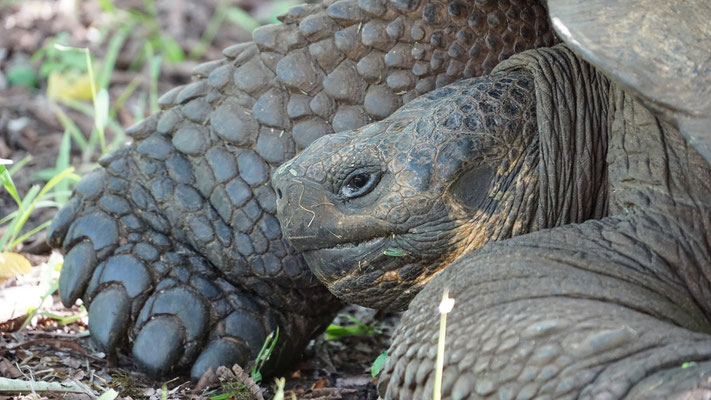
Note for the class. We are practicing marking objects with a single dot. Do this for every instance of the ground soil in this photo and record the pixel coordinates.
(44, 351)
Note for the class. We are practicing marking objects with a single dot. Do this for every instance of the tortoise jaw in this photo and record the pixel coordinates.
(365, 273)
(333, 263)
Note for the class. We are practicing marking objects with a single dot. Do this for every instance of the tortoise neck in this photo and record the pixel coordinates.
(573, 122)
(659, 181)
(651, 166)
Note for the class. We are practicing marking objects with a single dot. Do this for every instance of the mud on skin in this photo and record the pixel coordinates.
(174, 245)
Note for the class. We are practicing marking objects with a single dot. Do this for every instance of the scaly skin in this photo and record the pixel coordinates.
(174, 245)
(608, 308)
(446, 173)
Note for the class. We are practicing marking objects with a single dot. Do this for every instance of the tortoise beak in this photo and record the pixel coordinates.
(301, 207)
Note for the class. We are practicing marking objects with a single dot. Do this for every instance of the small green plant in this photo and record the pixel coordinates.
(358, 328)
(14, 264)
(232, 390)
(66, 320)
(393, 252)
(279, 392)
(125, 385)
(35, 198)
(48, 282)
(378, 364)
(159, 41)
(263, 356)
(53, 59)
(22, 75)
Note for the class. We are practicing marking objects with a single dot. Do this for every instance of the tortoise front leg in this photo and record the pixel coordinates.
(578, 311)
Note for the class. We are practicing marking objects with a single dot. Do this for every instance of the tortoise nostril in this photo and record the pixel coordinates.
(279, 195)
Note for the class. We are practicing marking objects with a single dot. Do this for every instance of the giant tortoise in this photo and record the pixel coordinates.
(175, 246)
(597, 177)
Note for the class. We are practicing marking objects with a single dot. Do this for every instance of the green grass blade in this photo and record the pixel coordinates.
(171, 49)
(65, 320)
(100, 98)
(16, 224)
(241, 18)
(62, 164)
(18, 165)
(107, 6)
(124, 96)
(25, 211)
(8, 217)
(29, 234)
(264, 353)
(71, 127)
(40, 205)
(9, 185)
(101, 116)
(88, 150)
(156, 62)
(29, 203)
(89, 111)
(115, 44)
(53, 288)
(44, 175)
(210, 32)
(54, 181)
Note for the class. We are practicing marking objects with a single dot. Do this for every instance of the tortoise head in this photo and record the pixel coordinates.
(378, 211)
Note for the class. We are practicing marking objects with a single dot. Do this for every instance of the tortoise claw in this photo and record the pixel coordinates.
(223, 351)
(159, 345)
(108, 317)
(61, 223)
(128, 271)
(170, 328)
(79, 264)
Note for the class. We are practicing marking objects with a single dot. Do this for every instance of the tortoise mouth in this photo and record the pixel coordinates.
(333, 263)
(365, 273)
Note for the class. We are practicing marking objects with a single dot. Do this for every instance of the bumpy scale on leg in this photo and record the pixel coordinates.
(183, 220)
(186, 295)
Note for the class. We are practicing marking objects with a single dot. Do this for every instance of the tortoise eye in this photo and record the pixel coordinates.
(359, 185)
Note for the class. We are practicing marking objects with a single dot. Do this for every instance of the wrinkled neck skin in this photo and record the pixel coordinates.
(662, 185)
(562, 176)
(562, 179)
(658, 187)
(572, 115)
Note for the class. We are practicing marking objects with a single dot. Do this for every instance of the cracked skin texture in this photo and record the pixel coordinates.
(174, 245)
(446, 173)
(607, 304)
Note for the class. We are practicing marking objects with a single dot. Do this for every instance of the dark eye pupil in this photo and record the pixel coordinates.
(359, 181)
(359, 185)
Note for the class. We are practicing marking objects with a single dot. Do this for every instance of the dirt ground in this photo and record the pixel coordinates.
(47, 351)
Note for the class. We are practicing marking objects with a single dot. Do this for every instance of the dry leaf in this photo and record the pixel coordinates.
(321, 383)
(12, 265)
(68, 86)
